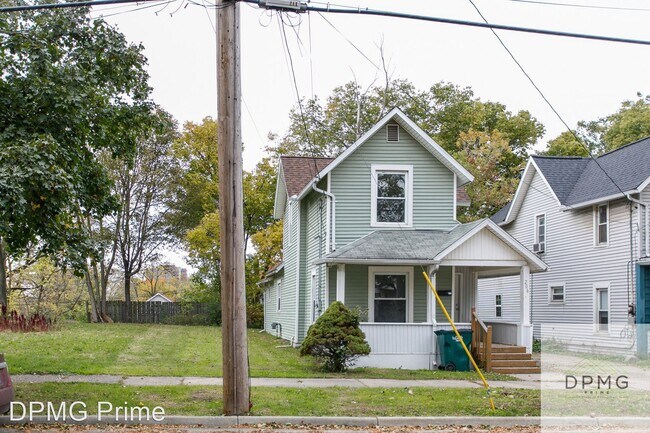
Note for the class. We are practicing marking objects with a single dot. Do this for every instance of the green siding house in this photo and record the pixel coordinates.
(362, 228)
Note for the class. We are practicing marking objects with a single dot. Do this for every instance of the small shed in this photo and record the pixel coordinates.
(159, 297)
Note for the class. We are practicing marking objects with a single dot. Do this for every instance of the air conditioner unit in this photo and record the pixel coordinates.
(538, 248)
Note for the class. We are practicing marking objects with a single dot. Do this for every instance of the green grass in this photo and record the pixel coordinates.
(166, 350)
(201, 400)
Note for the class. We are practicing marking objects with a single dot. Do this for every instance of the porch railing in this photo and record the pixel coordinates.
(481, 342)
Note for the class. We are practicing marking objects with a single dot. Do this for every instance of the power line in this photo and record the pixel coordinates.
(574, 5)
(546, 100)
(392, 14)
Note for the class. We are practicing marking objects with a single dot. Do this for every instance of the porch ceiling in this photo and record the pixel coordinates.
(428, 247)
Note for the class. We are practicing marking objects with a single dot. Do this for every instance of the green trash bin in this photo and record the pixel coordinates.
(451, 355)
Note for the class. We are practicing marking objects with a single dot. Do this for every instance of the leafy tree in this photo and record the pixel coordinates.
(630, 123)
(336, 339)
(486, 155)
(70, 86)
(444, 111)
(144, 196)
(566, 144)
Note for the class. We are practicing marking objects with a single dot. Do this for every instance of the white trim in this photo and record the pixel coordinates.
(487, 263)
(644, 184)
(455, 193)
(278, 295)
(408, 196)
(328, 225)
(279, 208)
(599, 200)
(596, 225)
(498, 306)
(327, 287)
(388, 270)
(434, 148)
(340, 283)
(313, 287)
(550, 292)
(297, 321)
(501, 234)
(536, 230)
(525, 183)
(454, 291)
(378, 262)
(602, 285)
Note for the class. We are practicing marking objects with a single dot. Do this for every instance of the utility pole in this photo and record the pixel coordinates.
(236, 392)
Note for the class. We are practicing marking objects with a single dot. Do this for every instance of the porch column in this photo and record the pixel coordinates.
(431, 299)
(525, 331)
(340, 283)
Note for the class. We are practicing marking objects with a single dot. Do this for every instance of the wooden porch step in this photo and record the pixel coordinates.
(517, 370)
(497, 363)
(504, 348)
(504, 355)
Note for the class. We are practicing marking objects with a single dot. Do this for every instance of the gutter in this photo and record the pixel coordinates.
(331, 221)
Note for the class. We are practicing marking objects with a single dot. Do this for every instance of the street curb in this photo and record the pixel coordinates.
(237, 421)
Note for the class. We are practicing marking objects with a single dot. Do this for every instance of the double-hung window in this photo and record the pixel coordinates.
(556, 292)
(392, 192)
(279, 295)
(602, 307)
(602, 224)
(390, 293)
(498, 302)
(540, 233)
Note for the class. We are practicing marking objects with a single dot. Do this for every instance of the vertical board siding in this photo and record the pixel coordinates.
(433, 186)
(572, 258)
(386, 338)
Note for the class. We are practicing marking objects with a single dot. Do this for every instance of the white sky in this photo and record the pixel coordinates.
(583, 79)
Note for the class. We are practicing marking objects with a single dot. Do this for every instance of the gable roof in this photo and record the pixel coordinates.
(159, 297)
(416, 132)
(300, 170)
(421, 247)
(578, 182)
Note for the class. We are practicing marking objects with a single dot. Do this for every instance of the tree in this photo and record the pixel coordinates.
(141, 222)
(335, 339)
(70, 86)
(630, 123)
(487, 157)
(445, 111)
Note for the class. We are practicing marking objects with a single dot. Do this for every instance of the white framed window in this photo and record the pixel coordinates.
(498, 302)
(602, 306)
(390, 294)
(278, 287)
(556, 292)
(391, 195)
(392, 132)
(540, 233)
(601, 224)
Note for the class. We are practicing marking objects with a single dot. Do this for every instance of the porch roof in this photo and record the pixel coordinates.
(424, 247)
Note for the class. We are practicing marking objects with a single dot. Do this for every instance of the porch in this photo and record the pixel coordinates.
(383, 281)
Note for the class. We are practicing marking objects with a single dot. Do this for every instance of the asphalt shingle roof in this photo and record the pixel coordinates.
(300, 170)
(578, 180)
(400, 245)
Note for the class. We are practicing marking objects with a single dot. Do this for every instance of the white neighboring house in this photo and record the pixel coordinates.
(159, 297)
(588, 220)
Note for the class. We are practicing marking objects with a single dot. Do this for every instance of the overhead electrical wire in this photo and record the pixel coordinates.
(583, 6)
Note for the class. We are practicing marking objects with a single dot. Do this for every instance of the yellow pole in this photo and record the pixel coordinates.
(460, 339)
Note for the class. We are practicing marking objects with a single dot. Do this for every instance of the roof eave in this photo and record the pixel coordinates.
(599, 200)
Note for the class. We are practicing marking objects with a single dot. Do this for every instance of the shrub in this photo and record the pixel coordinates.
(14, 322)
(335, 339)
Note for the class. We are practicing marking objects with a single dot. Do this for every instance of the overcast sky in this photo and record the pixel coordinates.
(583, 79)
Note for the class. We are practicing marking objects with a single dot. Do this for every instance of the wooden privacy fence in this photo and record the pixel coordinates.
(157, 312)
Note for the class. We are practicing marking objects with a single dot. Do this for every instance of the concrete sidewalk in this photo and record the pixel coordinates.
(271, 382)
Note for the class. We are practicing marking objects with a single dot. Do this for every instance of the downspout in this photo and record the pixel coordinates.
(632, 302)
(332, 221)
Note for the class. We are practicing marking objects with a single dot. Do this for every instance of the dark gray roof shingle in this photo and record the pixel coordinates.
(578, 180)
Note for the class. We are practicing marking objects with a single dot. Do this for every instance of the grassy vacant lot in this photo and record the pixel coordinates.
(199, 400)
(165, 350)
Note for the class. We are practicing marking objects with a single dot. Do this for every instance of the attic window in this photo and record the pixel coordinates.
(392, 132)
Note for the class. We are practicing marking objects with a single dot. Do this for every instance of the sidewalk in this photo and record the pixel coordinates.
(271, 382)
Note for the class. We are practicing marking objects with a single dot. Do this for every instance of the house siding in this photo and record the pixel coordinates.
(433, 186)
(572, 258)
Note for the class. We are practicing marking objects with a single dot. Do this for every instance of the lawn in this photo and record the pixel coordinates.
(166, 350)
(201, 400)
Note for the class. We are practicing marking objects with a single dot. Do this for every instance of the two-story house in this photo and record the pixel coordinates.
(588, 220)
(362, 228)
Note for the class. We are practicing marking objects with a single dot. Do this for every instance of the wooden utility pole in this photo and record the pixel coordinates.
(236, 392)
